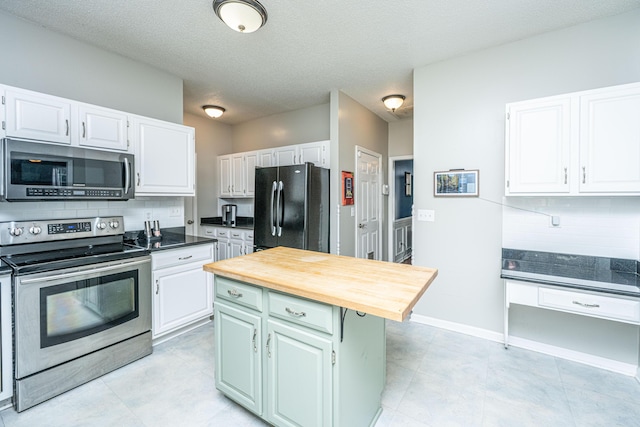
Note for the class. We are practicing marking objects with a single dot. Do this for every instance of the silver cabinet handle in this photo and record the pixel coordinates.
(581, 304)
(84, 130)
(295, 313)
(185, 257)
(138, 184)
(234, 293)
(565, 175)
(584, 175)
(157, 287)
(255, 348)
(67, 123)
(268, 342)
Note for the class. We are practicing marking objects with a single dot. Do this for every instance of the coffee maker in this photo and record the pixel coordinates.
(229, 215)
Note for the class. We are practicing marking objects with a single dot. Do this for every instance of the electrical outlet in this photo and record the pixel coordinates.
(175, 212)
(147, 215)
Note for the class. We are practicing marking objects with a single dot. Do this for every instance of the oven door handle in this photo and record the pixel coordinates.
(118, 266)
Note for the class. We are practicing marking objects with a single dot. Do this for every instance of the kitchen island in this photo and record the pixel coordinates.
(300, 335)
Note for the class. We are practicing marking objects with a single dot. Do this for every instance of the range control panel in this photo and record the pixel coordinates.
(21, 232)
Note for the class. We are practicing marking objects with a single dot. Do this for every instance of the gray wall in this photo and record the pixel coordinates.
(401, 138)
(212, 139)
(294, 127)
(352, 125)
(459, 123)
(38, 59)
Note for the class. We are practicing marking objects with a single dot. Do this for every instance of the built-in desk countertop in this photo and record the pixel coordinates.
(379, 288)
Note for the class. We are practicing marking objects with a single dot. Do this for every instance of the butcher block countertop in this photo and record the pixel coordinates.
(378, 288)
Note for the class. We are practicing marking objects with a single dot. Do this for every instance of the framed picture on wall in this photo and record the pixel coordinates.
(456, 183)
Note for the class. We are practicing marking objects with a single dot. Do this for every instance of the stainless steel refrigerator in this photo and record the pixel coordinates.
(291, 207)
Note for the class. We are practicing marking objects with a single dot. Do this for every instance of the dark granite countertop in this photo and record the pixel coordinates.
(600, 274)
(242, 222)
(172, 238)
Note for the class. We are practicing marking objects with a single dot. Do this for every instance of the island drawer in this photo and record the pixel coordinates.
(312, 314)
(603, 306)
(172, 257)
(238, 292)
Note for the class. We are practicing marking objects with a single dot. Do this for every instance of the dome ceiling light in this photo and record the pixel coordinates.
(243, 16)
(393, 102)
(213, 111)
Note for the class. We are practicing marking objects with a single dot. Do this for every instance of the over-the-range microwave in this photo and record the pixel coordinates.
(33, 171)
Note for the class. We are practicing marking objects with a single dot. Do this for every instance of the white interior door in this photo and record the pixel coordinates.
(368, 204)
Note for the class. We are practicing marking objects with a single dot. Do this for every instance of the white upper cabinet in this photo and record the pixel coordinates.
(584, 143)
(610, 141)
(31, 115)
(285, 156)
(539, 146)
(164, 157)
(238, 173)
(103, 128)
(314, 152)
(250, 163)
(224, 168)
(266, 158)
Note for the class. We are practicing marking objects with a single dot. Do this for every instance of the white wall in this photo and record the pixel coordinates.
(38, 59)
(459, 123)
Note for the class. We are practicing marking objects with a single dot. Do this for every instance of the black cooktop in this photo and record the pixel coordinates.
(57, 259)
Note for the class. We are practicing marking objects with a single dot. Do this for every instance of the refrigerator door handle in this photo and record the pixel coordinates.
(280, 208)
(274, 188)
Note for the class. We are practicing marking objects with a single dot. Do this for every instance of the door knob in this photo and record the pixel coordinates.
(362, 225)
(189, 221)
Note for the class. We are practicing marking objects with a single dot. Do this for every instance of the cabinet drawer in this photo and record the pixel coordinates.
(221, 232)
(173, 257)
(301, 311)
(236, 235)
(238, 292)
(620, 309)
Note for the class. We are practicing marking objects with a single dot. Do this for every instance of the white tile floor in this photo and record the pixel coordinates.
(434, 378)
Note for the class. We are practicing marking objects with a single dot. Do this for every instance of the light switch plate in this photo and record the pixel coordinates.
(426, 215)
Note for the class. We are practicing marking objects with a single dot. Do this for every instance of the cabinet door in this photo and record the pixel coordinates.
(239, 355)
(250, 163)
(299, 376)
(222, 249)
(38, 116)
(165, 155)
(224, 168)
(538, 146)
(610, 141)
(266, 158)
(399, 243)
(237, 175)
(315, 152)
(103, 128)
(285, 156)
(6, 334)
(236, 248)
(182, 295)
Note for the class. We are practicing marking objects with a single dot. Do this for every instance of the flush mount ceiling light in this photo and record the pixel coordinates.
(393, 102)
(244, 16)
(213, 111)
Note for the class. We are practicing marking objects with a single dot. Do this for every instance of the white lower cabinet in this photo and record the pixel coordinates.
(297, 362)
(182, 291)
(232, 242)
(6, 339)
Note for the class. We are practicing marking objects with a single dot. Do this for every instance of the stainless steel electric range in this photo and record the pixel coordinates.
(81, 302)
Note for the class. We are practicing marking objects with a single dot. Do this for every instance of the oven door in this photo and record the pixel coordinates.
(65, 314)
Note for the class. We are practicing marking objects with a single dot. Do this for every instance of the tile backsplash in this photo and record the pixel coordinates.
(598, 226)
(168, 210)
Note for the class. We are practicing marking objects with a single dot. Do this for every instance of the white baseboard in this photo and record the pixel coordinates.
(560, 352)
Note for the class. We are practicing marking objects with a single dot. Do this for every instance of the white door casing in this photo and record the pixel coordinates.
(368, 204)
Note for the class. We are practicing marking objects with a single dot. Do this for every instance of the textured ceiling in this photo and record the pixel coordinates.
(366, 48)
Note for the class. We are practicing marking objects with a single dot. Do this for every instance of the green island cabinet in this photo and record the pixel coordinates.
(300, 335)
(297, 362)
